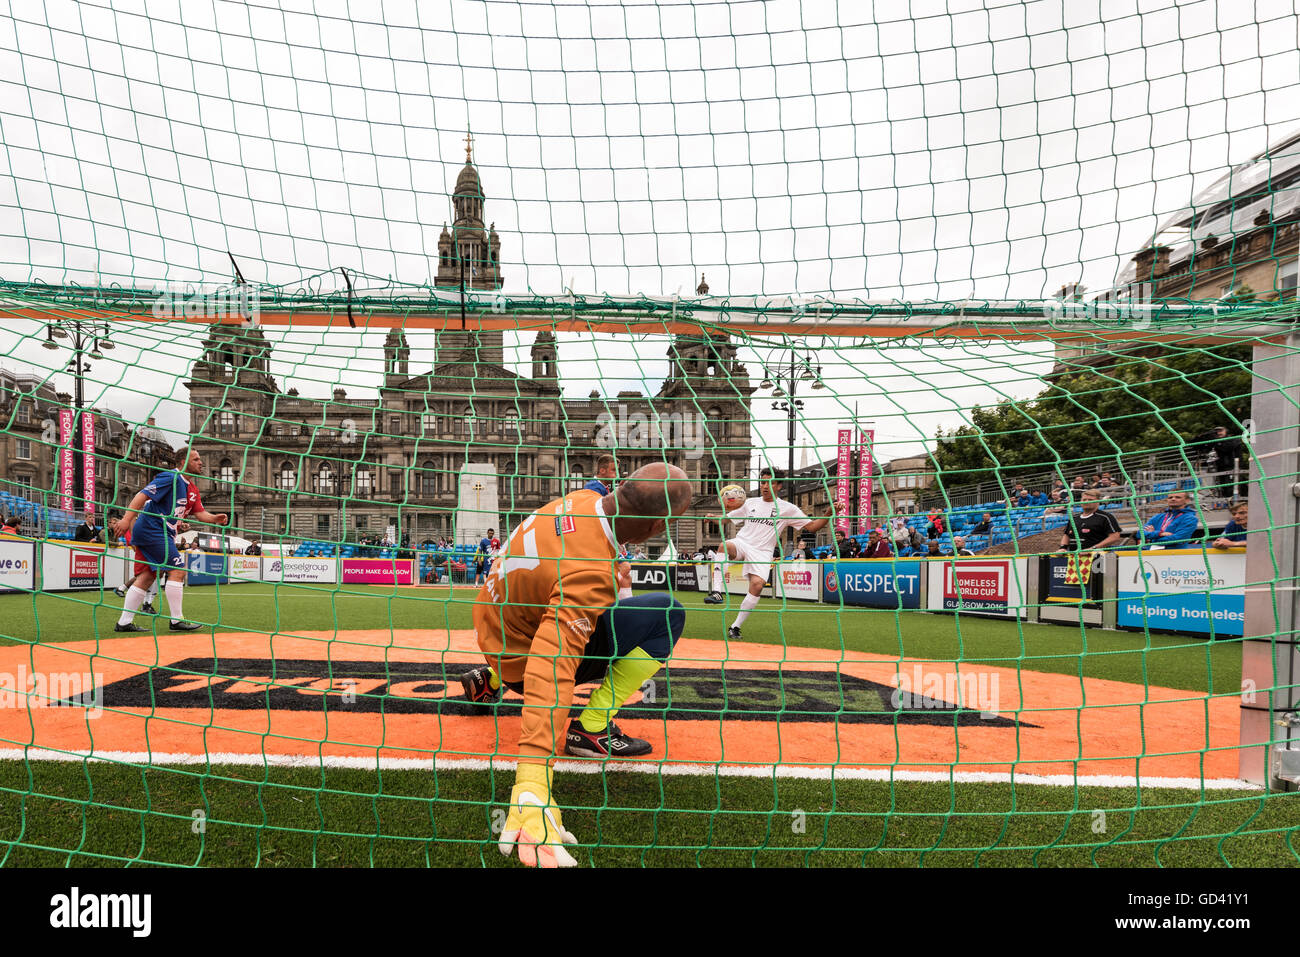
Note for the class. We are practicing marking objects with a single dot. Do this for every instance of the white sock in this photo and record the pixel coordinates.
(174, 591)
(747, 604)
(152, 593)
(717, 576)
(134, 599)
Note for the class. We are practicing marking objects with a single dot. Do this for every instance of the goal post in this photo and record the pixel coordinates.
(1270, 672)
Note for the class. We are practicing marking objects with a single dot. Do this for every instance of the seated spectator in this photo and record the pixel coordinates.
(797, 554)
(877, 546)
(935, 549)
(959, 546)
(1024, 500)
(1077, 488)
(1058, 492)
(985, 525)
(1176, 525)
(1038, 499)
(254, 547)
(937, 523)
(11, 526)
(915, 541)
(845, 547)
(87, 531)
(1234, 534)
(899, 531)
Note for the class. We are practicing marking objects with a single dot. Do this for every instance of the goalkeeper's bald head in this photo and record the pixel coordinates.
(647, 500)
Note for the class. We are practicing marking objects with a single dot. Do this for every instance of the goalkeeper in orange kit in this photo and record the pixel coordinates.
(548, 618)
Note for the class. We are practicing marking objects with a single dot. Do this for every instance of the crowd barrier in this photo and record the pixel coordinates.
(1183, 591)
(27, 565)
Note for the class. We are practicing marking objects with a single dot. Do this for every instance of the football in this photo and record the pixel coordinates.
(732, 496)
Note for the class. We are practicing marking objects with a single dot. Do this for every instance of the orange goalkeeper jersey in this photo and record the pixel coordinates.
(538, 609)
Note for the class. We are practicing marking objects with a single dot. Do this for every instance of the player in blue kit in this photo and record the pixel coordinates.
(150, 521)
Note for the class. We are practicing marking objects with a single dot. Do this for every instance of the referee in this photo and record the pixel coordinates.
(1091, 528)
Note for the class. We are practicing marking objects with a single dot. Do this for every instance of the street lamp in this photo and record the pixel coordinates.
(784, 378)
(84, 338)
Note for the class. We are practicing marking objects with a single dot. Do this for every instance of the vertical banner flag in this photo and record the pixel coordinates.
(866, 439)
(65, 460)
(88, 462)
(842, 482)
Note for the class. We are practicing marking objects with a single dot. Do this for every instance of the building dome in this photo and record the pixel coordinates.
(467, 183)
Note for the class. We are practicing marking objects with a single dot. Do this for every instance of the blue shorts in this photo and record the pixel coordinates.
(158, 551)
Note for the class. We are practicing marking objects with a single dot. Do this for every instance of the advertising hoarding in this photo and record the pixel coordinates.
(17, 565)
(873, 582)
(981, 586)
(378, 571)
(1184, 589)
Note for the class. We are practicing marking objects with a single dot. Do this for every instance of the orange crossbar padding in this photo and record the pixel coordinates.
(840, 328)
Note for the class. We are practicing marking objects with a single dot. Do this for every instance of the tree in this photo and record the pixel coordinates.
(1150, 400)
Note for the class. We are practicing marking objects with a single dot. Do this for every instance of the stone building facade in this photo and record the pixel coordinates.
(1239, 239)
(126, 456)
(339, 468)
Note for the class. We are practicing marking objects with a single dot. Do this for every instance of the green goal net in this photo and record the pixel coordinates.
(986, 314)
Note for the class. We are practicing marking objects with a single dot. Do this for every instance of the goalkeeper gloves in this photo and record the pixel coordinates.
(533, 824)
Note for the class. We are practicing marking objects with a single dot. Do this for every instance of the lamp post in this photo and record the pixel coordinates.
(83, 337)
(783, 377)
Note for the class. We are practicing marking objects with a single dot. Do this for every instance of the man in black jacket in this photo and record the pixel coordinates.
(87, 531)
(845, 547)
(1223, 452)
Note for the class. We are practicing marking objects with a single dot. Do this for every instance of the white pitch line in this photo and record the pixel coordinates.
(638, 767)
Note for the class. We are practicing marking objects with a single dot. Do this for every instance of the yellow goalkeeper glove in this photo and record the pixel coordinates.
(533, 824)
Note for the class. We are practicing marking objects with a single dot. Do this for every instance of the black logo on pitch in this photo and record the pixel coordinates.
(413, 687)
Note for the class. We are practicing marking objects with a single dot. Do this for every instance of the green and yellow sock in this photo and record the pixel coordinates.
(624, 677)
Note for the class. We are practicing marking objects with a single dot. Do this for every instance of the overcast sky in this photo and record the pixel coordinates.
(848, 149)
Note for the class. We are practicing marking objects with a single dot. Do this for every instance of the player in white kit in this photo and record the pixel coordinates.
(762, 520)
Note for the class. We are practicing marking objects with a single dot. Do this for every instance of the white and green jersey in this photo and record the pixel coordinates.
(763, 522)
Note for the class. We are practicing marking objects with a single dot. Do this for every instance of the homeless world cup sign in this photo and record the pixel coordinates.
(984, 586)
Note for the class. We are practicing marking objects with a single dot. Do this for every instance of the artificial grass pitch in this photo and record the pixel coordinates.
(68, 814)
(57, 813)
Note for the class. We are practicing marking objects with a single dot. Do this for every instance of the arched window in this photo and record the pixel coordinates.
(429, 478)
(364, 482)
(226, 421)
(288, 478)
(512, 423)
(465, 423)
(578, 481)
(325, 480)
(717, 427)
(226, 471)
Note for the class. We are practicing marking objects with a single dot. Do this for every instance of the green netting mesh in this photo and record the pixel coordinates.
(1005, 295)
